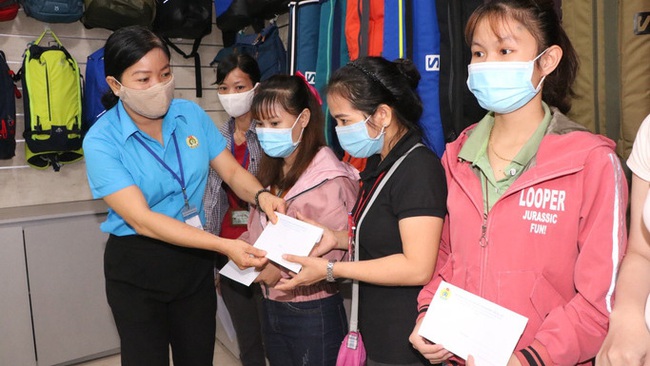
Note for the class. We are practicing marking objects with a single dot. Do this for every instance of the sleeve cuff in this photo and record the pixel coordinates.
(534, 355)
(421, 312)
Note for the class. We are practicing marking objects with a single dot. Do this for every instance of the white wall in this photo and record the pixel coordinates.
(24, 186)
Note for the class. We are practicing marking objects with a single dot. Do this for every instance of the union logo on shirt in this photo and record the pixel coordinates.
(192, 141)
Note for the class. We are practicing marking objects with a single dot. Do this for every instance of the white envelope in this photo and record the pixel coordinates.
(288, 236)
(244, 276)
(466, 324)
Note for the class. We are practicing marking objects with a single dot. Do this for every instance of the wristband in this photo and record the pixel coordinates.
(330, 271)
(257, 196)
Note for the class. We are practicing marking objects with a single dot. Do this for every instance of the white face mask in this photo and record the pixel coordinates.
(237, 104)
(152, 103)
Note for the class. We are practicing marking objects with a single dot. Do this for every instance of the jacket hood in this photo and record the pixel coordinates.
(324, 166)
(565, 146)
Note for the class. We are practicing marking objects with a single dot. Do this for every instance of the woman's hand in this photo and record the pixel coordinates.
(327, 242)
(435, 353)
(626, 344)
(313, 270)
(270, 275)
(269, 203)
(245, 255)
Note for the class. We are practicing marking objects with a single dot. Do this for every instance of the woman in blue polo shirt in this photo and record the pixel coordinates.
(148, 157)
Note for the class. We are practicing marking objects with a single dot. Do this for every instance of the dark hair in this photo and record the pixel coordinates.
(291, 94)
(244, 62)
(124, 48)
(370, 81)
(541, 20)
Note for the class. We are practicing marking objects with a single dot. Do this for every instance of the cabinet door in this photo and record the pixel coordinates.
(17, 345)
(72, 319)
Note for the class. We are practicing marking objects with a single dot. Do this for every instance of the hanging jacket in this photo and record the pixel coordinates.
(373, 36)
(325, 192)
(552, 243)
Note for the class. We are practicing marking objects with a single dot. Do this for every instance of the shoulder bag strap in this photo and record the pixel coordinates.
(354, 311)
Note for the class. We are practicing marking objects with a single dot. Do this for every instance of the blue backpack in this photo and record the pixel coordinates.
(266, 48)
(96, 87)
(54, 11)
(8, 94)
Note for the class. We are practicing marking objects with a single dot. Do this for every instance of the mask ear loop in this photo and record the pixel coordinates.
(539, 85)
(381, 132)
(118, 83)
(301, 131)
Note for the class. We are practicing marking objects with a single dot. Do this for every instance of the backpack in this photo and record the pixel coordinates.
(458, 107)
(52, 100)
(266, 48)
(188, 19)
(54, 11)
(115, 14)
(8, 9)
(95, 88)
(8, 93)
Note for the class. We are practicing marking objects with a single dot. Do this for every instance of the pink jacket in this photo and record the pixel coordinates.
(325, 192)
(554, 241)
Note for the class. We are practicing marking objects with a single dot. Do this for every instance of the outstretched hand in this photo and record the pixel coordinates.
(270, 203)
(313, 270)
(327, 242)
(245, 255)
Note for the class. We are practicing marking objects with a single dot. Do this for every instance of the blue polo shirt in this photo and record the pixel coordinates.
(115, 159)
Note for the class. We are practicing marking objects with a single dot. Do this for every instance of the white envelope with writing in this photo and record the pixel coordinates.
(287, 236)
(466, 324)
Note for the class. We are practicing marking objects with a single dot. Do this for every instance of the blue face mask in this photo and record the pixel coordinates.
(278, 142)
(503, 87)
(355, 140)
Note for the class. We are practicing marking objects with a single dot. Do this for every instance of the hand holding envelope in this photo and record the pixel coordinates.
(466, 324)
(287, 236)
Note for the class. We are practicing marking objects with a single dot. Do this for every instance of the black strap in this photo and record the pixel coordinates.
(197, 62)
(455, 23)
(364, 29)
(408, 24)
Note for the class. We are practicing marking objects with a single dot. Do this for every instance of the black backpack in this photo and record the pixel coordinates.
(8, 94)
(115, 14)
(458, 106)
(188, 19)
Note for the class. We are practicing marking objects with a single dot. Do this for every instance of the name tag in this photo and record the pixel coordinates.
(239, 217)
(191, 217)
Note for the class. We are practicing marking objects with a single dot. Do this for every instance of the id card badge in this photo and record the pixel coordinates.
(239, 217)
(191, 217)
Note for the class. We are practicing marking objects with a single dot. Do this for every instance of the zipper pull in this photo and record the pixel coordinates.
(483, 242)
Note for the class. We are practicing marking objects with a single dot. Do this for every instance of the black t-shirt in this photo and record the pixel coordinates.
(387, 314)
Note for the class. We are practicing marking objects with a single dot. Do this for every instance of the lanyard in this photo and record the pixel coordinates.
(244, 162)
(353, 217)
(363, 199)
(181, 179)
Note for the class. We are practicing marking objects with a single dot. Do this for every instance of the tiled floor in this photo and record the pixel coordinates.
(222, 357)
